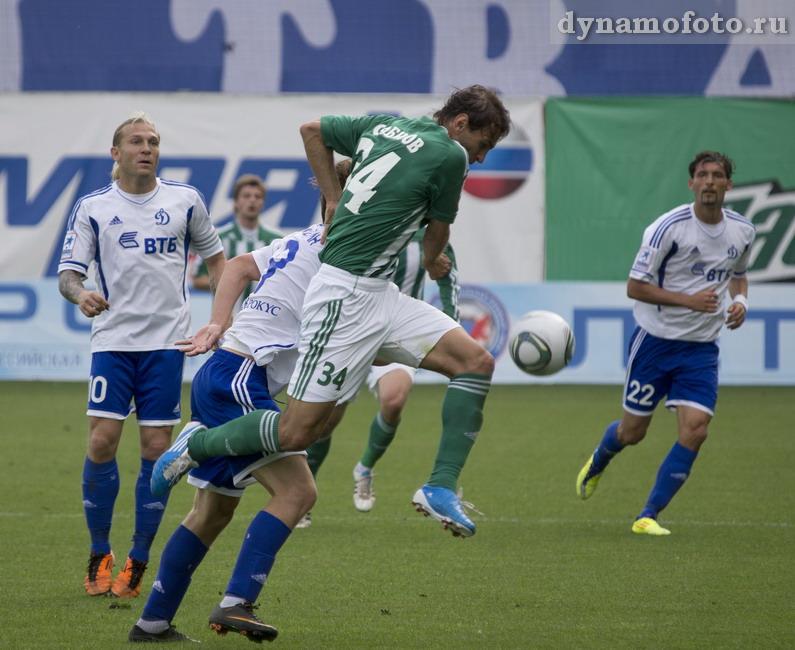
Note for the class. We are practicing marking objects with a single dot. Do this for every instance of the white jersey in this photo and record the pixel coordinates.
(139, 245)
(681, 253)
(268, 324)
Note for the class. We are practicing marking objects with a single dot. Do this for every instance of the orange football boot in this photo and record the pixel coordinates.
(128, 583)
(99, 577)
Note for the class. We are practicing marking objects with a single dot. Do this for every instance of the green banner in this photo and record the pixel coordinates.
(615, 165)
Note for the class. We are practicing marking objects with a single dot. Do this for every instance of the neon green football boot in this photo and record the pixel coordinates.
(649, 526)
(586, 480)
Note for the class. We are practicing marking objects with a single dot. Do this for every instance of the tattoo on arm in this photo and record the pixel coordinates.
(70, 284)
(215, 268)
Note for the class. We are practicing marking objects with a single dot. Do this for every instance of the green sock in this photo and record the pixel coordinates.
(317, 453)
(249, 434)
(381, 435)
(462, 417)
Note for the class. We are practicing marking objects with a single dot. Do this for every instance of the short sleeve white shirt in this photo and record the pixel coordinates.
(138, 245)
(680, 253)
(268, 324)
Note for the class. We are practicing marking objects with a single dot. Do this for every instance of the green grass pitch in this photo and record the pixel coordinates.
(545, 570)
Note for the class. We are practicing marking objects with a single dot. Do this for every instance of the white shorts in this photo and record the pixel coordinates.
(347, 321)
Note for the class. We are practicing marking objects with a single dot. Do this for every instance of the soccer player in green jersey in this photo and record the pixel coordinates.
(407, 173)
(392, 383)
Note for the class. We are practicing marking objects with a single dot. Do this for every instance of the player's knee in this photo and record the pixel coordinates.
(207, 521)
(392, 406)
(298, 498)
(301, 439)
(154, 449)
(298, 431)
(631, 434)
(103, 441)
(298, 440)
(481, 363)
(308, 497)
(101, 450)
(694, 436)
(471, 358)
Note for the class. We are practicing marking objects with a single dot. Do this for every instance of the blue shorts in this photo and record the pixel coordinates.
(152, 380)
(684, 371)
(226, 387)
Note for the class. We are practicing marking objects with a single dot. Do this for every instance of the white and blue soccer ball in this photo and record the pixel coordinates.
(541, 343)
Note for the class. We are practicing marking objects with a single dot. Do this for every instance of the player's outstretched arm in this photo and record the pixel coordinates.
(202, 341)
(238, 273)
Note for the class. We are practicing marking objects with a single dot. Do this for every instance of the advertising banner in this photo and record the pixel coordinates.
(615, 165)
(42, 336)
(56, 148)
(522, 47)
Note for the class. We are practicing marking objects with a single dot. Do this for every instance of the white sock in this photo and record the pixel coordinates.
(231, 601)
(153, 627)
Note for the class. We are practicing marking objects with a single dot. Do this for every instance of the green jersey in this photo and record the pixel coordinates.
(410, 276)
(237, 241)
(405, 172)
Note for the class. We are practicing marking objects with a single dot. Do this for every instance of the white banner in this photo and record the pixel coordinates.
(44, 337)
(55, 148)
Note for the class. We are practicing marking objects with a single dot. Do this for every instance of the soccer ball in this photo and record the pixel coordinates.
(541, 343)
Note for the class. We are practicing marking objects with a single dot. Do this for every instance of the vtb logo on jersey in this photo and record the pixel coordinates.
(127, 239)
(162, 218)
(710, 275)
(772, 211)
(151, 244)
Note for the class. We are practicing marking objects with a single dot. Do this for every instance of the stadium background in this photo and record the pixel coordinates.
(604, 132)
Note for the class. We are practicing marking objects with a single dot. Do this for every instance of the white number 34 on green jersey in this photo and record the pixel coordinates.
(363, 181)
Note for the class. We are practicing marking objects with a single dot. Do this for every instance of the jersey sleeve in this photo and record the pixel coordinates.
(741, 266)
(447, 185)
(647, 261)
(262, 256)
(204, 238)
(80, 242)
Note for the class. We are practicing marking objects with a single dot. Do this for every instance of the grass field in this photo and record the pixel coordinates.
(545, 570)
